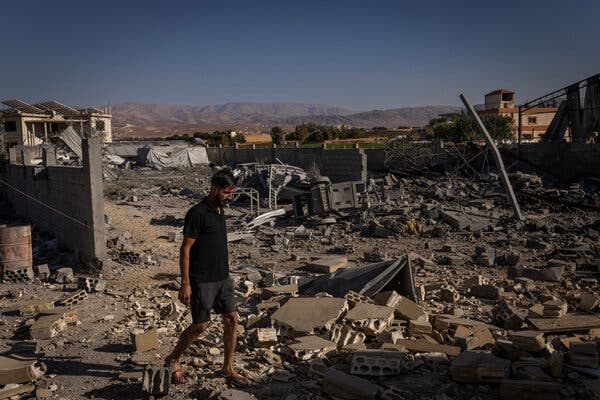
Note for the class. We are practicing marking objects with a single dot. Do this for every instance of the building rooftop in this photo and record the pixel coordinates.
(48, 108)
(499, 91)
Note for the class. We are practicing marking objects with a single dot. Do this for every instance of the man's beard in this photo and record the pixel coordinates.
(224, 203)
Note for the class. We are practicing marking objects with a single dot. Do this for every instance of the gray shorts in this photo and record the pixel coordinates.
(218, 296)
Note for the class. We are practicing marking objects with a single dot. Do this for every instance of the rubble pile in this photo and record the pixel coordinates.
(425, 289)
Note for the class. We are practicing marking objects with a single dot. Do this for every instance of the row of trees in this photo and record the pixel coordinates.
(462, 128)
(314, 133)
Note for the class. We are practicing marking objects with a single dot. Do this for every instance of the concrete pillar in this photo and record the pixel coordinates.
(12, 155)
(324, 146)
(93, 200)
(253, 147)
(356, 146)
(236, 145)
(49, 156)
(27, 156)
(297, 145)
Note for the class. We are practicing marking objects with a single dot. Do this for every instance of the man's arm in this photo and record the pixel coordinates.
(185, 293)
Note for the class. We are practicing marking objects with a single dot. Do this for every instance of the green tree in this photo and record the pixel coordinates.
(277, 135)
(462, 128)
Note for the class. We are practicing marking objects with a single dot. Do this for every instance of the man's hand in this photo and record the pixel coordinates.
(185, 293)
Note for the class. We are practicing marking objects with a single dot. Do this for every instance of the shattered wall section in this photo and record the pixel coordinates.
(72, 197)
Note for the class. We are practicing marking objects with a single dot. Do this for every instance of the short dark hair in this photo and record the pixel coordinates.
(223, 178)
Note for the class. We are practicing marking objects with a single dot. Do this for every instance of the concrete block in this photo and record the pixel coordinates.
(479, 367)
(265, 337)
(555, 308)
(419, 326)
(64, 275)
(343, 335)
(339, 384)
(19, 368)
(407, 310)
(91, 285)
(307, 347)
(301, 316)
(449, 294)
(355, 298)
(20, 275)
(156, 381)
(488, 292)
(145, 340)
(589, 301)
(31, 308)
(377, 362)
(282, 289)
(47, 326)
(42, 271)
(327, 264)
(74, 298)
(369, 318)
(389, 299)
(532, 341)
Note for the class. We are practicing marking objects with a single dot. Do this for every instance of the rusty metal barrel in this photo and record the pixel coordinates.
(15, 247)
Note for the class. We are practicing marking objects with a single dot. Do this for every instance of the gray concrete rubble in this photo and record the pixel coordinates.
(396, 287)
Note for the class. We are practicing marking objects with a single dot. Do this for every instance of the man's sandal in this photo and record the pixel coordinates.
(178, 376)
(239, 381)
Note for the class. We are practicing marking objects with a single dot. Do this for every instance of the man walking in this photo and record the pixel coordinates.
(205, 281)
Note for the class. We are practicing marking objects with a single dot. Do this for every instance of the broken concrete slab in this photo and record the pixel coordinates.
(408, 310)
(555, 308)
(302, 316)
(349, 387)
(20, 368)
(390, 299)
(569, 322)
(355, 298)
(377, 362)
(369, 318)
(327, 264)
(479, 367)
(488, 292)
(145, 340)
(307, 347)
(47, 326)
(16, 392)
(419, 326)
(291, 289)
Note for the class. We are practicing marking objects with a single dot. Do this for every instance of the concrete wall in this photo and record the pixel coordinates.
(339, 165)
(65, 201)
(564, 161)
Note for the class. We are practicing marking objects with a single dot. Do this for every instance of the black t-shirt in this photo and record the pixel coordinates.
(209, 261)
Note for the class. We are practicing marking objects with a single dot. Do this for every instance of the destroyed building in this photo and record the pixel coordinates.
(32, 124)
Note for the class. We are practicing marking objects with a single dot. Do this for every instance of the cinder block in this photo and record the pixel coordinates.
(377, 362)
(156, 381)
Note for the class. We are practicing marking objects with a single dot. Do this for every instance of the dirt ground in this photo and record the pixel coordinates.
(87, 360)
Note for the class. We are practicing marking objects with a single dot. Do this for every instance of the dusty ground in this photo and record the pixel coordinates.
(86, 360)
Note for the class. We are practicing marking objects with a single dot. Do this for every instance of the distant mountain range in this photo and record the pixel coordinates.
(140, 119)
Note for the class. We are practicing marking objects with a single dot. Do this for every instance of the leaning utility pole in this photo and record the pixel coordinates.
(497, 158)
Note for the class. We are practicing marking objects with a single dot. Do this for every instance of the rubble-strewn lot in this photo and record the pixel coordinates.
(499, 308)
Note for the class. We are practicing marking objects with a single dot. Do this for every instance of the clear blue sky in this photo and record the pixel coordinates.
(356, 54)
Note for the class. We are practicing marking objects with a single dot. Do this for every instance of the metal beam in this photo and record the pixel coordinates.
(497, 158)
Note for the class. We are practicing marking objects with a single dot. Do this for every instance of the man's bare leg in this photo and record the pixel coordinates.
(185, 340)
(230, 321)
